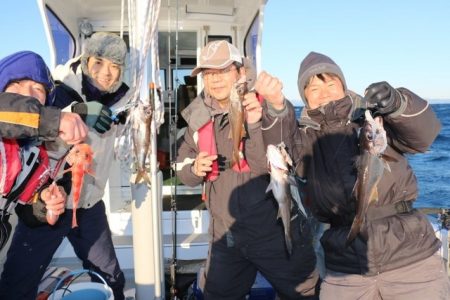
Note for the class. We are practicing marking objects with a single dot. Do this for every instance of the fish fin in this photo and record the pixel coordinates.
(74, 218)
(292, 181)
(374, 196)
(269, 187)
(355, 189)
(354, 230)
(142, 175)
(235, 160)
(387, 157)
(67, 170)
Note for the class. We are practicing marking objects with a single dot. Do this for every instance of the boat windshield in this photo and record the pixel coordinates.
(63, 41)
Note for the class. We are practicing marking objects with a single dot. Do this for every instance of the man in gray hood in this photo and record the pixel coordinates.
(394, 254)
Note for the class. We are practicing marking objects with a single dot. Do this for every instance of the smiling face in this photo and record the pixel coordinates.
(322, 89)
(104, 72)
(218, 83)
(28, 87)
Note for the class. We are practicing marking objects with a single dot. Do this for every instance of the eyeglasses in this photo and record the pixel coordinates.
(220, 72)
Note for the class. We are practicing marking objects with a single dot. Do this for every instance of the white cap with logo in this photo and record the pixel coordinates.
(217, 55)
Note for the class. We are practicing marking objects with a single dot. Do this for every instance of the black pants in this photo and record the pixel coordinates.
(32, 250)
(231, 271)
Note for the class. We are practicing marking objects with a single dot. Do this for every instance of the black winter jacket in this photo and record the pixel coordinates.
(25, 117)
(325, 148)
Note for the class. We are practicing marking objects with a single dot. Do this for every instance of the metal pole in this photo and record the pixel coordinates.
(145, 207)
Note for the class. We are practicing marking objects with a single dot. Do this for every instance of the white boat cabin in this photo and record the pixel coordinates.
(184, 27)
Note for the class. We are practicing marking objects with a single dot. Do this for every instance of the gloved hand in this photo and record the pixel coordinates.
(382, 98)
(95, 115)
(121, 117)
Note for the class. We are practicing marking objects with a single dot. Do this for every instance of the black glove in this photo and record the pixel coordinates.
(121, 117)
(382, 98)
(95, 115)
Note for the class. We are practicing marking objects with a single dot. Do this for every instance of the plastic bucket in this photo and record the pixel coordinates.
(82, 290)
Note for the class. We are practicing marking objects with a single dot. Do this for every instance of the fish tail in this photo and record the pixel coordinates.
(288, 241)
(142, 174)
(74, 218)
(235, 160)
(354, 230)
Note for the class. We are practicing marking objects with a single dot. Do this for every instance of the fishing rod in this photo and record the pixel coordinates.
(172, 156)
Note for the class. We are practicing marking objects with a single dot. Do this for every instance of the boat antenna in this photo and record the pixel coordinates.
(122, 16)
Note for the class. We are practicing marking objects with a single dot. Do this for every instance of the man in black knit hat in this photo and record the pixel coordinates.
(393, 256)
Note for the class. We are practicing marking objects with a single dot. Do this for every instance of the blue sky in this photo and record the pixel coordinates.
(406, 43)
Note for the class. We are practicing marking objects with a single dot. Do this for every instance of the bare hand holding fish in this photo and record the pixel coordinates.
(202, 164)
(55, 200)
(252, 108)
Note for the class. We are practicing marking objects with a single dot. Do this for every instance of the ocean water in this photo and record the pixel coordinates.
(432, 168)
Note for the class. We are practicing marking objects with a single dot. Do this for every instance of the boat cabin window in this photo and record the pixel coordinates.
(63, 41)
(252, 39)
(178, 76)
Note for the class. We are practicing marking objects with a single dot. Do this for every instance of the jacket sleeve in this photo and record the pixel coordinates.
(255, 150)
(65, 95)
(25, 117)
(187, 153)
(415, 128)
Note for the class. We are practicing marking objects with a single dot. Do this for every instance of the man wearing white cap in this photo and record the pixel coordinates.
(246, 235)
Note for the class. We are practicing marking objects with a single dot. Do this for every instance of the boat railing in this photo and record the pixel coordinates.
(441, 222)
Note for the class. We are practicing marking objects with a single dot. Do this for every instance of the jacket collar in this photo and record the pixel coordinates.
(201, 111)
(349, 109)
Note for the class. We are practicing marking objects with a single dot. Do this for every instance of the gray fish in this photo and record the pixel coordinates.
(236, 116)
(141, 119)
(370, 166)
(280, 185)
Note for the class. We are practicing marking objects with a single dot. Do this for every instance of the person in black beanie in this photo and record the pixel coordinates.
(394, 256)
(90, 85)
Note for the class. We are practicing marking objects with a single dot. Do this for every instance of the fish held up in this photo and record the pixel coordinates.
(80, 160)
(236, 116)
(280, 184)
(370, 164)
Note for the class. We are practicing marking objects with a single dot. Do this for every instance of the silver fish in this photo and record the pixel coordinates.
(370, 165)
(236, 116)
(278, 160)
(141, 130)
